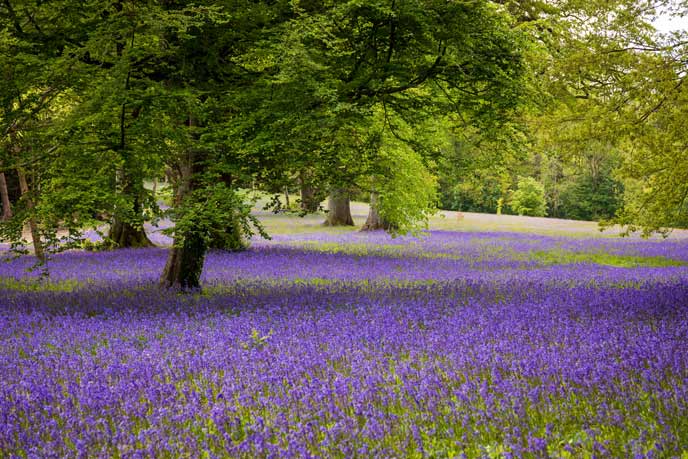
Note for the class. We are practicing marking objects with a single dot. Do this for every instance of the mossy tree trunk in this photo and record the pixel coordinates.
(33, 225)
(125, 234)
(339, 213)
(5, 199)
(185, 259)
(185, 264)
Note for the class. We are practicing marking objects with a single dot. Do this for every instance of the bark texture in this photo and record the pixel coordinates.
(310, 201)
(375, 221)
(185, 264)
(185, 260)
(124, 234)
(33, 226)
(5, 199)
(339, 209)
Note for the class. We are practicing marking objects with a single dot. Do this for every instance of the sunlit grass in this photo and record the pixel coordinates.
(39, 284)
(562, 257)
(489, 249)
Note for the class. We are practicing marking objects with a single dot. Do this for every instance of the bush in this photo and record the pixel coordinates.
(529, 198)
(98, 246)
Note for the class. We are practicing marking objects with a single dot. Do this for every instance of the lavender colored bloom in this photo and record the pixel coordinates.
(321, 345)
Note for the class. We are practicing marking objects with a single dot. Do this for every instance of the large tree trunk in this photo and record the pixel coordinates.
(129, 232)
(126, 229)
(124, 234)
(33, 226)
(5, 198)
(185, 260)
(339, 209)
(185, 264)
(375, 221)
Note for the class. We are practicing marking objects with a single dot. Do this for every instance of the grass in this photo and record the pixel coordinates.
(38, 285)
(562, 257)
(285, 223)
(490, 251)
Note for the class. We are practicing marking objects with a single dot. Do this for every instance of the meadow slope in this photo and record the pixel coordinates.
(346, 344)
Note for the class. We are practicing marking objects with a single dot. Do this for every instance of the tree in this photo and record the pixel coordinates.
(118, 101)
(638, 99)
(33, 92)
(654, 141)
(606, 78)
(356, 70)
(310, 192)
(211, 153)
(5, 198)
(529, 198)
(403, 188)
(339, 209)
(477, 167)
(257, 96)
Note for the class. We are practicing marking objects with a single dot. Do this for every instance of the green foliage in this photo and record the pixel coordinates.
(396, 98)
(401, 175)
(477, 166)
(215, 210)
(591, 199)
(105, 244)
(407, 193)
(340, 66)
(256, 340)
(603, 74)
(582, 183)
(478, 192)
(655, 156)
(529, 198)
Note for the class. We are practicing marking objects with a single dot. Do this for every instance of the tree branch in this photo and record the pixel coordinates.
(660, 104)
(415, 82)
(13, 16)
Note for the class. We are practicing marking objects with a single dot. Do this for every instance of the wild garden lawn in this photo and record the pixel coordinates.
(458, 344)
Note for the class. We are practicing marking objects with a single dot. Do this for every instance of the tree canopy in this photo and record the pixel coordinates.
(415, 101)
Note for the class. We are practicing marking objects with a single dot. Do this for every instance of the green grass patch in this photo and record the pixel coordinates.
(39, 285)
(564, 257)
(489, 250)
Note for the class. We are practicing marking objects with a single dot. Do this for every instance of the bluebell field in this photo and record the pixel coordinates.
(352, 345)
